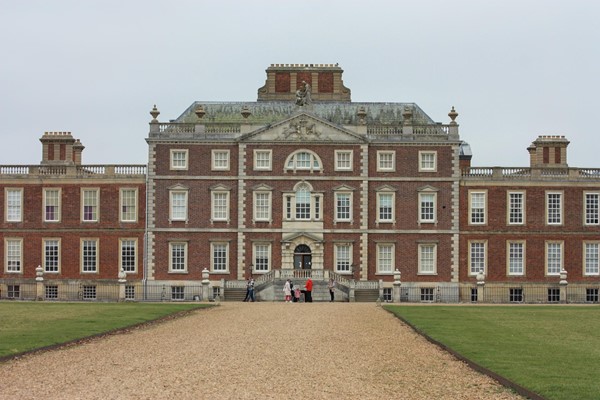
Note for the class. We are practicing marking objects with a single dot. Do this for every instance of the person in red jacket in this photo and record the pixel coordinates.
(308, 292)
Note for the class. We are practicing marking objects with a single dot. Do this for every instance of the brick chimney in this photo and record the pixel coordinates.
(60, 148)
(548, 151)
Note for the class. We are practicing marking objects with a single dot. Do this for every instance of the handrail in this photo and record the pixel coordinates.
(74, 170)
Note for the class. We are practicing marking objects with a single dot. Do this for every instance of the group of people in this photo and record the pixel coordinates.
(292, 294)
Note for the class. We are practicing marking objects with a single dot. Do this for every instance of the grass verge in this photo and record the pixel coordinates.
(28, 326)
(550, 350)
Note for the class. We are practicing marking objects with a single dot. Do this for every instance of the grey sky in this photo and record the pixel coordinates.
(513, 69)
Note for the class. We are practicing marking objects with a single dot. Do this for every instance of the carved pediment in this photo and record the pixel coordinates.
(304, 127)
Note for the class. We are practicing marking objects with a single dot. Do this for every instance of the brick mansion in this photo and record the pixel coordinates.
(301, 183)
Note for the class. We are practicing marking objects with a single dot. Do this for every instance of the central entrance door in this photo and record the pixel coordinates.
(302, 257)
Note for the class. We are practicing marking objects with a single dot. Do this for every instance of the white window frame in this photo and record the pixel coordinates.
(548, 257)
(385, 168)
(45, 241)
(219, 212)
(220, 160)
(510, 208)
(591, 213)
(58, 205)
(316, 203)
(180, 269)
(342, 259)
(13, 255)
(513, 261)
(422, 260)
(339, 154)
(176, 216)
(213, 246)
(262, 212)
(176, 163)
(95, 217)
(392, 218)
(550, 211)
(594, 260)
(337, 196)
(422, 162)
(259, 248)
(13, 212)
(84, 258)
(433, 218)
(392, 260)
(268, 160)
(122, 242)
(293, 163)
(122, 204)
(472, 208)
(474, 269)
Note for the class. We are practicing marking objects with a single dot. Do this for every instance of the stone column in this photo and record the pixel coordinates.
(39, 283)
(397, 286)
(205, 284)
(122, 281)
(563, 286)
(480, 286)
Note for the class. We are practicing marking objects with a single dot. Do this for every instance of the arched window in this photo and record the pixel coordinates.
(304, 160)
(303, 203)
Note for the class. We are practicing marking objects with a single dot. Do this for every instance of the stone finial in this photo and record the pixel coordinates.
(397, 276)
(563, 277)
(362, 115)
(480, 278)
(246, 112)
(39, 274)
(453, 114)
(205, 274)
(122, 276)
(407, 115)
(155, 113)
(200, 111)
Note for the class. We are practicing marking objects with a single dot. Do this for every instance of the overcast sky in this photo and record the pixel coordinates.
(513, 69)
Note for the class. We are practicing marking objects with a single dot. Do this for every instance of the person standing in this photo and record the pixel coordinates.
(308, 292)
(247, 290)
(331, 287)
(251, 289)
(287, 291)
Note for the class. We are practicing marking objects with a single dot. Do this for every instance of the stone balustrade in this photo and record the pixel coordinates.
(74, 170)
(526, 173)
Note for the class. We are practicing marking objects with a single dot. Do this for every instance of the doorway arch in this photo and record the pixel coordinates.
(302, 257)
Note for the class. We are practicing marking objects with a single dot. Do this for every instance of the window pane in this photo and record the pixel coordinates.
(51, 206)
(51, 252)
(179, 205)
(342, 258)
(128, 255)
(303, 203)
(262, 206)
(427, 259)
(178, 256)
(385, 206)
(554, 201)
(13, 255)
(592, 266)
(13, 205)
(128, 203)
(427, 207)
(262, 253)
(88, 256)
(343, 206)
(477, 208)
(591, 208)
(90, 205)
(477, 257)
(219, 257)
(515, 213)
(385, 258)
(220, 206)
(515, 258)
(554, 258)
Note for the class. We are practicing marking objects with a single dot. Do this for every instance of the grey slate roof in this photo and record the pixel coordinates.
(341, 113)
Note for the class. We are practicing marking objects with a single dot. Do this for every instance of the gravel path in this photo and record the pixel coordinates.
(254, 350)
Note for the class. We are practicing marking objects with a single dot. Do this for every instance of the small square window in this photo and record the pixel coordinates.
(14, 291)
(474, 295)
(129, 292)
(220, 160)
(427, 294)
(51, 292)
(179, 159)
(343, 160)
(89, 292)
(553, 295)
(386, 161)
(515, 295)
(262, 160)
(177, 293)
(427, 161)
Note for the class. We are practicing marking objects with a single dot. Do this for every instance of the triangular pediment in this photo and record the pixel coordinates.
(301, 128)
(296, 235)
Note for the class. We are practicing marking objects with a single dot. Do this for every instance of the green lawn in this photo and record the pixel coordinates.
(26, 326)
(551, 350)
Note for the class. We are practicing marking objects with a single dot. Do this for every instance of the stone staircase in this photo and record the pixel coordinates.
(366, 295)
(234, 294)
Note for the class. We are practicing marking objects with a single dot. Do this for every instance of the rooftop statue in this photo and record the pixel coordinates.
(303, 95)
